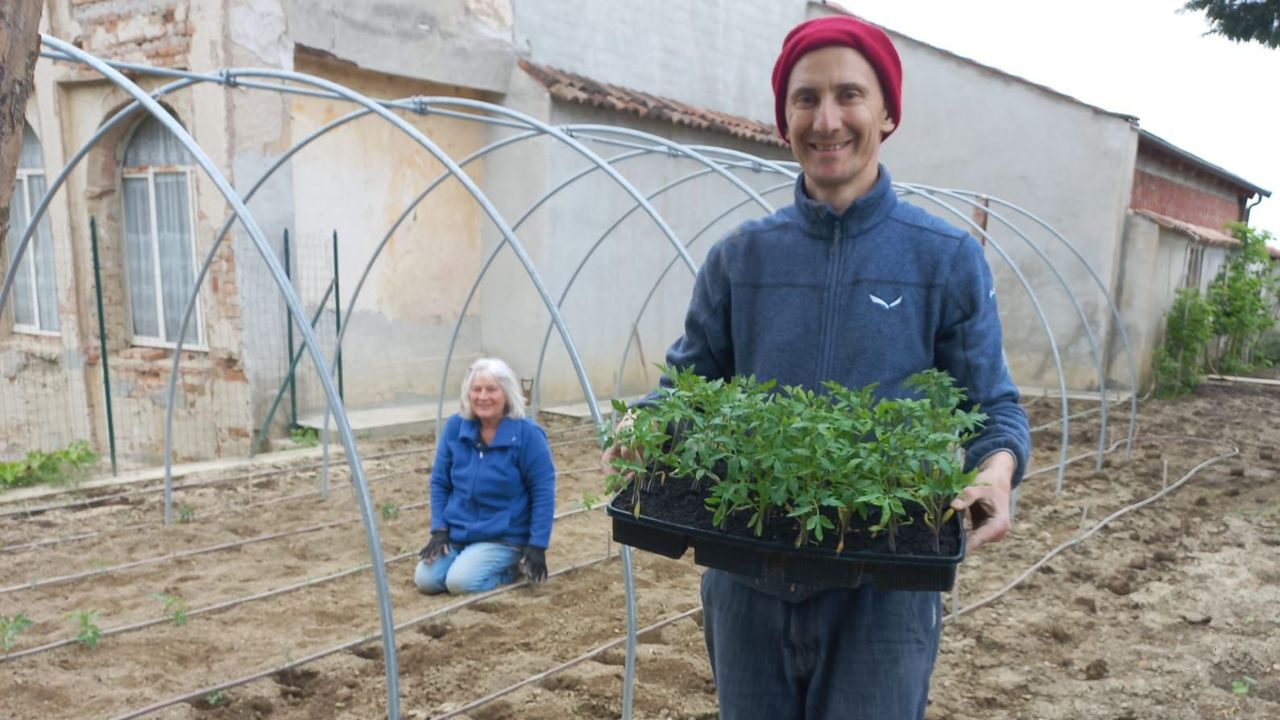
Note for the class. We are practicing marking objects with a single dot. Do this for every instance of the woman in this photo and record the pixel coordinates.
(493, 490)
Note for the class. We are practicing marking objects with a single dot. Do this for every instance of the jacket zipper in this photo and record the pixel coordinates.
(829, 312)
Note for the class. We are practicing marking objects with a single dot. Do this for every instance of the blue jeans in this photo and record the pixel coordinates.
(842, 654)
(472, 568)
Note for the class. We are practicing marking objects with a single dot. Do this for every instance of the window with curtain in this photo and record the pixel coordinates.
(34, 293)
(159, 208)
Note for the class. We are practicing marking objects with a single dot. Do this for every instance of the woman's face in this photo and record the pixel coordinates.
(488, 402)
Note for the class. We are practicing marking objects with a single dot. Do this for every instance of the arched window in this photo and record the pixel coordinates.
(159, 209)
(35, 294)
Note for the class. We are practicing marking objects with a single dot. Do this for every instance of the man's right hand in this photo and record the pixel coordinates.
(436, 548)
(615, 451)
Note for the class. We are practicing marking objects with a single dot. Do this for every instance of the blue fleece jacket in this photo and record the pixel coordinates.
(872, 295)
(505, 492)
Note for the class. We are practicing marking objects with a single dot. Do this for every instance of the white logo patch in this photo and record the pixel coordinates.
(886, 305)
(992, 293)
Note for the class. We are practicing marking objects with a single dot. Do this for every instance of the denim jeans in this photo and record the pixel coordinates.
(472, 568)
(841, 654)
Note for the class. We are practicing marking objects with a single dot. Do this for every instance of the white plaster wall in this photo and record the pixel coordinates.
(467, 43)
(969, 127)
(715, 54)
(609, 290)
(358, 180)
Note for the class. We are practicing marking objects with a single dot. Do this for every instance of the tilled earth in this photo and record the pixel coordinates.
(1169, 611)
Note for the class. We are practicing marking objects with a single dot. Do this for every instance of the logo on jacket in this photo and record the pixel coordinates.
(886, 305)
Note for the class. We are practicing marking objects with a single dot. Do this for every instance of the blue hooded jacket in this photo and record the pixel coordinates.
(873, 295)
(505, 492)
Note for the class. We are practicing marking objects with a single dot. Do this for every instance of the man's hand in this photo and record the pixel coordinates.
(436, 548)
(987, 500)
(615, 450)
(533, 563)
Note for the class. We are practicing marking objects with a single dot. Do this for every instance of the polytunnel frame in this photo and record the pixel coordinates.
(230, 78)
(1035, 303)
(568, 131)
(1115, 311)
(564, 294)
(309, 339)
(635, 324)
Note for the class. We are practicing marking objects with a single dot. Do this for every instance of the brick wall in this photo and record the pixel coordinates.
(1181, 201)
(157, 32)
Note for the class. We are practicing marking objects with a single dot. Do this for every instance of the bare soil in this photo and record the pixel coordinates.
(1170, 611)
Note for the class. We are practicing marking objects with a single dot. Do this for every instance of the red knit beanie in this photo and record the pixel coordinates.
(869, 40)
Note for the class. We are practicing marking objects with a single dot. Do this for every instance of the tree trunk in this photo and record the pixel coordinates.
(19, 46)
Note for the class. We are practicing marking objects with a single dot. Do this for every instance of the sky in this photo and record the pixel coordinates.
(1212, 97)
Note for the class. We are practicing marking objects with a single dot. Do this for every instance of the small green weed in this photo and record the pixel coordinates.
(186, 514)
(11, 628)
(589, 501)
(304, 437)
(214, 698)
(1243, 685)
(174, 606)
(88, 633)
(390, 510)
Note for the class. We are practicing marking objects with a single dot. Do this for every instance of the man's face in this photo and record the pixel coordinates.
(835, 118)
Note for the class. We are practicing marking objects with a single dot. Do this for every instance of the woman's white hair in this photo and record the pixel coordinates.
(506, 379)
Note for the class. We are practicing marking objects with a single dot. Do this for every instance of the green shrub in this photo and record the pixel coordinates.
(60, 467)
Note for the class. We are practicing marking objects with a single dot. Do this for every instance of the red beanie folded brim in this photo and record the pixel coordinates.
(868, 40)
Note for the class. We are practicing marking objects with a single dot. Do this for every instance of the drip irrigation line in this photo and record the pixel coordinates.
(564, 666)
(31, 585)
(1077, 458)
(234, 602)
(147, 525)
(1101, 524)
(157, 559)
(244, 680)
(106, 499)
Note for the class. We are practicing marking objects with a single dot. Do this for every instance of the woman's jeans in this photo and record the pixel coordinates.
(841, 654)
(469, 569)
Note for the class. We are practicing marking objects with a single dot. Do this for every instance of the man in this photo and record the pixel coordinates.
(849, 285)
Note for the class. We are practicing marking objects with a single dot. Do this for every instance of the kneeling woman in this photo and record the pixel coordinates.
(493, 490)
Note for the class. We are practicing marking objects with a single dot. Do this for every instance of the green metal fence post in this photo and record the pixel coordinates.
(337, 313)
(102, 343)
(288, 319)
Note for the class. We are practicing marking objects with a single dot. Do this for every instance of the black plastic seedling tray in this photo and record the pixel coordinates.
(806, 565)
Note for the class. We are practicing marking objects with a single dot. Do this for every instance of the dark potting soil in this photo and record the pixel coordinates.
(677, 501)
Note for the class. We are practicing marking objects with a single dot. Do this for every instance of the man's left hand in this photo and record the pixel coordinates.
(987, 500)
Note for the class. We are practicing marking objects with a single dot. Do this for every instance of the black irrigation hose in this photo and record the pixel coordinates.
(286, 498)
(142, 526)
(203, 692)
(228, 604)
(1100, 524)
(107, 499)
(565, 665)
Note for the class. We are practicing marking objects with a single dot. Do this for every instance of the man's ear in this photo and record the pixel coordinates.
(887, 125)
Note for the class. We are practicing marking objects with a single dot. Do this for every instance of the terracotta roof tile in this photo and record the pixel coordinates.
(579, 89)
(1207, 236)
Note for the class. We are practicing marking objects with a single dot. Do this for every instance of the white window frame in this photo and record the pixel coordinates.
(29, 260)
(149, 174)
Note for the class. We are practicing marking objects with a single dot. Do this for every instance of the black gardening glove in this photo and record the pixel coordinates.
(533, 563)
(438, 546)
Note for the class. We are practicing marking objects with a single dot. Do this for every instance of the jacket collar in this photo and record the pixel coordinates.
(865, 212)
(505, 436)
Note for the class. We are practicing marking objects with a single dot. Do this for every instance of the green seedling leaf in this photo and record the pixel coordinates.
(11, 628)
(87, 632)
(174, 607)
